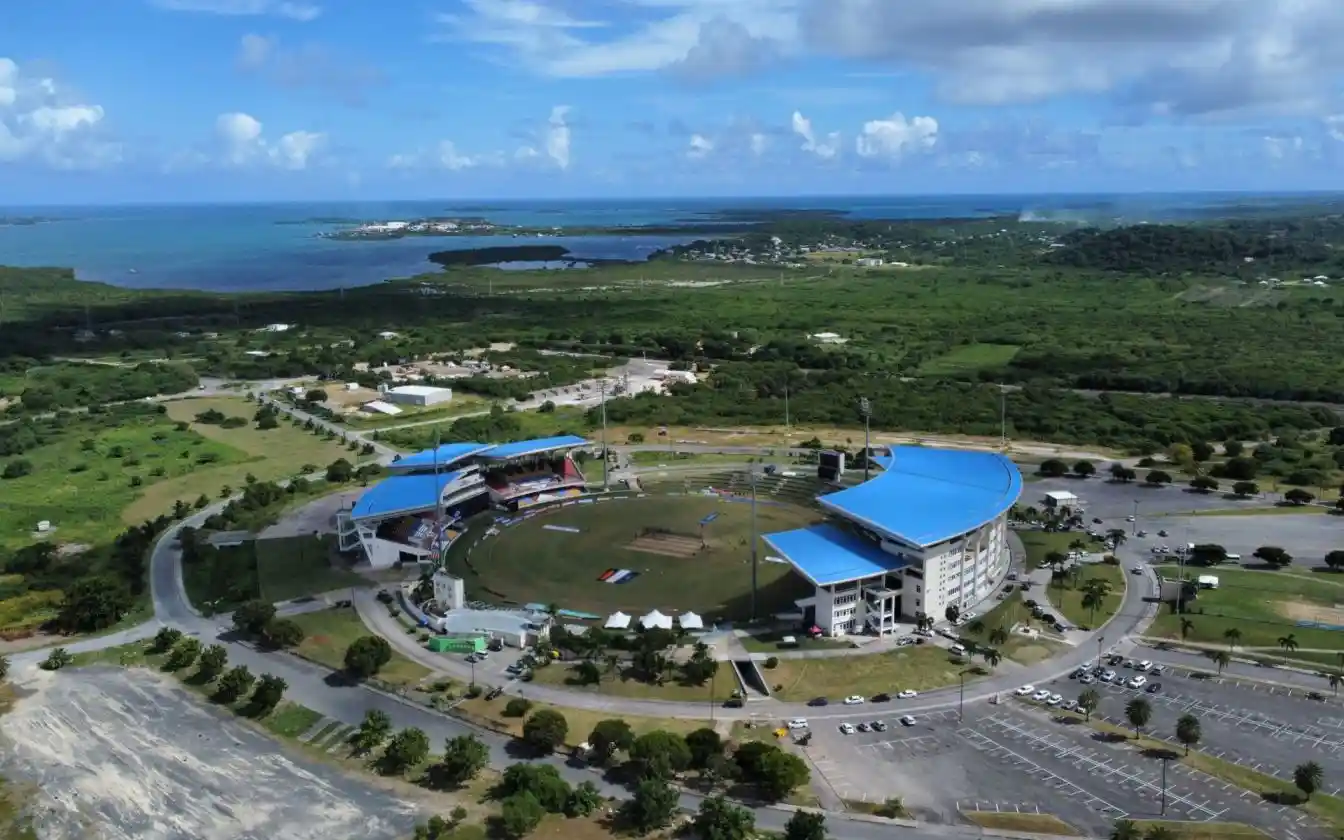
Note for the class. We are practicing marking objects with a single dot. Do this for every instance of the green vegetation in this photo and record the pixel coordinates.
(1040, 545)
(1070, 591)
(970, 360)
(327, 635)
(1026, 823)
(527, 563)
(918, 668)
(73, 385)
(994, 630)
(291, 567)
(1263, 608)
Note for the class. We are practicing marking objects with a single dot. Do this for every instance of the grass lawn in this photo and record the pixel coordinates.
(771, 641)
(268, 455)
(1275, 510)
(558, 674)
(459, 405)
(1026, 823)
(682, 459)
(532, 424)
(527, 563)
(918, 667)
(1040, 543)
(329, 632)
(291, 567)
(969, 359)
(1066, 592)
(290, 720)
(1203, 830)
(1009, 613)
(1263, 606)
(581, 721)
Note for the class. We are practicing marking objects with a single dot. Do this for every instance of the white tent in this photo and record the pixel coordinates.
(656, 619)
(618, 621)
(691, 621)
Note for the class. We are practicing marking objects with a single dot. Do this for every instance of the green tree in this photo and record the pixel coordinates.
(805, 825)
(780, 774)
(1138, 712)
(57, 659)
(519, 815)
(1053, 468)
(661, 753)
(282, 633)
(583, 800)
(373, 730)
(269, 691)
(652, 806)
(4, 667)
(1246, 488)
(183, 655)
(214, 659)
(1125, 830)
(408, 748)
(1308, 778)
(463, 757)
(586, 673)
(720, 819)
(1221, 658)
(1088, 701)
(545, 730)
(1188, 731)
(366, 655)
(1084, 469)
(165, 640)
(1233, 637)
(235, 683)
(704, 744)
(609, 736)
(251, 618)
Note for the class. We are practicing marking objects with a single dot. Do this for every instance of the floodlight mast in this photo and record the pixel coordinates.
(866, 409)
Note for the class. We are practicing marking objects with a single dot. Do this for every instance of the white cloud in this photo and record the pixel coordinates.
(41, 121)
(558, 137)
(758, 143)
(700, 147)
(1334, 126)
(895, 136)
(243, 143)
(826, 149)
(699, 38)
(240, 8)
(254, 51)
(309, 66)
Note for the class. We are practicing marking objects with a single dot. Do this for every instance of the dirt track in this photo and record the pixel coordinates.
(124, 754)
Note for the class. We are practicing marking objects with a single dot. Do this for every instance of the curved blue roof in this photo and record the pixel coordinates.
(403, 494)
(926, 496)
(827, 555)
(523, 448)
(445, 456)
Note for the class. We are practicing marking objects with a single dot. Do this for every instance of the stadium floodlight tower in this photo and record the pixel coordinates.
(866, 409)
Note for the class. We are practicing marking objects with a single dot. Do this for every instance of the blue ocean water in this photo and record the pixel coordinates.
(241, 247)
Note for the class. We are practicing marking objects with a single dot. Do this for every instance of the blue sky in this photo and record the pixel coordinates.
(192, 100)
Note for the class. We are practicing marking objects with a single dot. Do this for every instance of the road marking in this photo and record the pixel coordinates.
(988, 745)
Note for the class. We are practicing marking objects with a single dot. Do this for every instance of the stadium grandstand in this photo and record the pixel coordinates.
(414, 513)
(927, 532)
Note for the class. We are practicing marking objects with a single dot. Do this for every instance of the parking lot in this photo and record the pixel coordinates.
(1113, 502)
(1010, 759)
(1267, 728)
(1308, 537)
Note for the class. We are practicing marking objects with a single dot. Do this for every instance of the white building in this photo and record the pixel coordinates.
(1056, 499)
(929, 532)
(418, 395)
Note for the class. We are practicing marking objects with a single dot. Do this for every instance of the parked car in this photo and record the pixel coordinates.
(817, 701)
(1153, 688)
(881, 698)
(879, 726)
(908, 720)
(1025, 691)
(853, 700)
(798, 723)
(846, 729)
(907, 694)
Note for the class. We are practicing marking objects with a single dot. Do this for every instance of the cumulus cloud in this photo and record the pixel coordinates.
(558, 136)
(548, 146)
(758, 143)
(894, 137)
(238, 8)
(41, 121)
(242, 143)
(826, 148)
(699, 147)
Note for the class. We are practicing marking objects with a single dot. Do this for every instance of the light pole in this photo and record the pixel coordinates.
(1165, 759)
(866, 409)
(603, 396)
(713, 674)
(961, 695)
(1134, 526)
(1101, 640)
(754, 539)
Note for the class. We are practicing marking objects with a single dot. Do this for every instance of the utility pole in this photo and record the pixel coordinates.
(1134, 526)
(605, 482)
(1003, 418)
(866, 409)
(786, 406)
(961, 695)
(754, 539)
(1164, 784)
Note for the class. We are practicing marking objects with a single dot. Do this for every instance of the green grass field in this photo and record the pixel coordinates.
(720, 689)
(1263, 606)
(81, 478)
(1067, 593)
(459, 405)
(527, 563)
(970, 359)
(1007, 614)
(1040, 543)
(330, 632)
(269, 455)
(919, 667)
(291, 567)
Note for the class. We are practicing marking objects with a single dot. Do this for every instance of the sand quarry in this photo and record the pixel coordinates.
(123, 754)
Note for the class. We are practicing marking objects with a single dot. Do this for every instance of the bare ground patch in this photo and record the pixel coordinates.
(668, 545)
(1302, 611)
(123, 754)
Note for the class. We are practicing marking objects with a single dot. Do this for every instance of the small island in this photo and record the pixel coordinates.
(483, 227)
(503, 254)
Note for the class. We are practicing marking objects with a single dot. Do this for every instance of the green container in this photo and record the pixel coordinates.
(446, 644)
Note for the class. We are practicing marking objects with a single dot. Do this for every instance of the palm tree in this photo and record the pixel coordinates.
(1188, 731)
(992, 657)
(1089, 700)
(1159, 832)
(975, 628)
(1125, 830)
(1232, 636)
(1221, 658)
(998, 636)
(1186, 627)
(1138, 712)
(1288, 642)
(1335, 680)
(1308, 778)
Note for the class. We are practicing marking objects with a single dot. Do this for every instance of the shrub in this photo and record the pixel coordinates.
(517, 707)
(772, 662)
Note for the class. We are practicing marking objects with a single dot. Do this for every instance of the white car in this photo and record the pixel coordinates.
(798, 723)
(1025, 691)
(1137, 682)
(1041, 696)
(1055, 699)
(846, 729)
(853, 700)
(907, 694)
(908, 720)
(1145, 665)
(1109, 677)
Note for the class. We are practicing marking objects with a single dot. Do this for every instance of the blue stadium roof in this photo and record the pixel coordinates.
(522, 448)
(827, 555)
(927, 496)
(402, 494)
(447, 455)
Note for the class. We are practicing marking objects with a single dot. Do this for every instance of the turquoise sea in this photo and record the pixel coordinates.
(238, 247)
